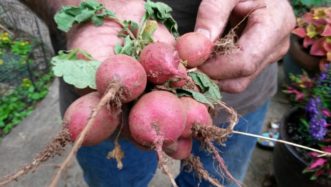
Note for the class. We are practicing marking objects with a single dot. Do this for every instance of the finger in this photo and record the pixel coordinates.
(246, 7)
(100, 41)
(97, 41)
(213, 16)
(252, 50)
(126, 10)
(162, 34)
(238, 85)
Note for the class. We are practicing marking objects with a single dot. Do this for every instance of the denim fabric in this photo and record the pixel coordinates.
(140, 165)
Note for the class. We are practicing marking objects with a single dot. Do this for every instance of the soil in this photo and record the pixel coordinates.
(298, 135)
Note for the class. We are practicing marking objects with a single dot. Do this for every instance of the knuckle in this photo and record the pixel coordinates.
(249, 67)
(211, 5)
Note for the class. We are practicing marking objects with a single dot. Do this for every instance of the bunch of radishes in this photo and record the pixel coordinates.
(158, 117)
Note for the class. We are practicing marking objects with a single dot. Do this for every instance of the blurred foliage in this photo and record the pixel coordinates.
(19, 101)
(302, 6)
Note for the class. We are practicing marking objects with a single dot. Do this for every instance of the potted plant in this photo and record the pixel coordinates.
(302, 6)
(309, 124)
(310, 45)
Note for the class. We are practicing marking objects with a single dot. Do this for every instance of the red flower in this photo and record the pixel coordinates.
(317, 163)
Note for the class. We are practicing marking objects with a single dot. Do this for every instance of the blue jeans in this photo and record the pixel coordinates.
(139, 165)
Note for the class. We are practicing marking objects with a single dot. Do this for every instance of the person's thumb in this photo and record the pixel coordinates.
(213, 16)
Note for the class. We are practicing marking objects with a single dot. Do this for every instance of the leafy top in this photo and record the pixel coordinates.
(77, 72)
(89, 10)
(161, 12)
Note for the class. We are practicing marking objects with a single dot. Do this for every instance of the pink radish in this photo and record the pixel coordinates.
(157, 119)
(157, 116)
(194, 48)
(79, 112)
(181, 149)
(197, 114)
(161, 62)
(125, 71)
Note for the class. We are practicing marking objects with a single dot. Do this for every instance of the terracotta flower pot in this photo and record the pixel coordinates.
(302, 57)
(289, 163)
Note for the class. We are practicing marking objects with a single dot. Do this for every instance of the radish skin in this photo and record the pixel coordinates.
(194, 48)
(181, 149)
(79, 112)
(161, 62)
(196, 113)
(157, 116)
(125, 71)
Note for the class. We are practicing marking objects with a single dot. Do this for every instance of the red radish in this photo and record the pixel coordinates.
(125, 70)
(195, 48)
(157, 119)
(161, 62)
(198, 116)
(181, 149)
(196, 113)
(180, 82)
(157, 116)
(79, 112)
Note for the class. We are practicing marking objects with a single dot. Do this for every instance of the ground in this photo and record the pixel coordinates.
(21, 145)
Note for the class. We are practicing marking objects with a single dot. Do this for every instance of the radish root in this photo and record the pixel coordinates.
(220, 161)
(162, 162)
(109, 96)
(56, 147)
(227, 44)
(208, 134)
(117, 153)
(197, 166)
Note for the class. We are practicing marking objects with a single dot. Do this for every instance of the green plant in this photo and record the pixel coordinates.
(20, 102)
(314, 28)
(302, 6)
(313, 96)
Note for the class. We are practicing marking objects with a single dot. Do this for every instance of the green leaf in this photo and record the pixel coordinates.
(117, 48)
(195, 95)
(208, 87)
(161, 12)
(91, 4)
(70, 10)
(96, 20)
(80, 73)
(109, 13)
(84, 15)
(64, 21)
(128, 47)
(130, 25)
(89, 10)
(7, 128)
(2, 124)
(149, 30)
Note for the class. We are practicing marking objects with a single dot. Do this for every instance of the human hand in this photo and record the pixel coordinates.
(263, 40)
(100, 41)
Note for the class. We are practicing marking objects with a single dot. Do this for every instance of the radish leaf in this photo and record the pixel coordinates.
(161, 12)
(77, 72)
(89, 10)
(195, 95)
(208, 87)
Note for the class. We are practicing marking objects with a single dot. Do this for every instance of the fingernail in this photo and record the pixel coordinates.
(204, 32)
